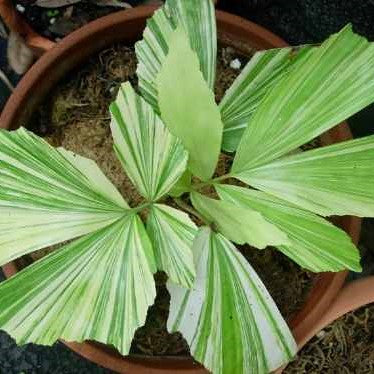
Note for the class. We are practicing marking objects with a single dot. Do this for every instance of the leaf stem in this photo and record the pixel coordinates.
(190, 210)
(141, 207)
(210, 182)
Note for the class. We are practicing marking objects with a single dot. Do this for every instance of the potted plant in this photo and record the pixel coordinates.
(168, 139)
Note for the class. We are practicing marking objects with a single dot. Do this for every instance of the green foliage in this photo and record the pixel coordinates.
(169, 140)
(232, 221)
(188, 108)
(228, 318)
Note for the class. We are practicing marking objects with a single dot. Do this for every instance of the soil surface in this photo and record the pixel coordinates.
(344, 347)
(76, 117)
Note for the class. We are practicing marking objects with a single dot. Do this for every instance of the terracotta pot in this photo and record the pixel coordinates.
(16, 23)
(353, 296)
(127, 27)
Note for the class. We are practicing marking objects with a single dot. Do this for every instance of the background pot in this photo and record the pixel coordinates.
(353, 296)
(127, 26)
(16, 23)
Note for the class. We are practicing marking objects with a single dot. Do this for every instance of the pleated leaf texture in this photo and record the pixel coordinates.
(168, 135)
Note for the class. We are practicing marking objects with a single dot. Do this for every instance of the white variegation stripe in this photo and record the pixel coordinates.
(315, 244)
(241, 225)
(197, 17)
(172, 233)
(24, 230)
(261, 73)
(48, 196)
(332, 83)
(96, 288)
(333, 180)
(152, 157)
(229, 319)
(151, 52)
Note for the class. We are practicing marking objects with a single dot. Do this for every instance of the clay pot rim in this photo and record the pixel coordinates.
(353, 296)
(327, 285)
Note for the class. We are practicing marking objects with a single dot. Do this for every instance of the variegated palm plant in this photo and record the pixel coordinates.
(100, 286)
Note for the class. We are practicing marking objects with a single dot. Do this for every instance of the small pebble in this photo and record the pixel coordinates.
(321, 334)
(20, 8)
(52, 21)
(235, 64)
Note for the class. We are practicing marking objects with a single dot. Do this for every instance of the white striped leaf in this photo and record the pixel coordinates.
(333, 180)
(49, 195)
(172, 233)
(315, 244)
(152, 157)
(258, 77)
(197, 17)
(96, 288)
(228, 318)
(188, 106)
(334, 82)
(241, 225)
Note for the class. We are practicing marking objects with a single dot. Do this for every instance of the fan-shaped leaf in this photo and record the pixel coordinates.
(260, 75)
(228, 318)
(333, 180)
(241, 225)
(315, 244)
(172, 233)
(152, 157)
(48, 196)
(98, 287)
(334, 82)
(241, 100)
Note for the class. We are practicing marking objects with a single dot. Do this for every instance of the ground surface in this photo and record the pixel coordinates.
(346, 346)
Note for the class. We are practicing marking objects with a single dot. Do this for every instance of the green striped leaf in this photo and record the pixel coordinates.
(315, 244)
(241, 100)
(183, 184)
(197, 17)
(333, 180)
(229, 320)
(241, 225)
(49, 195)
(188, 106)
(172, 233)
(96, 288)
(259, 76)
(334, 82)
(152, 157)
